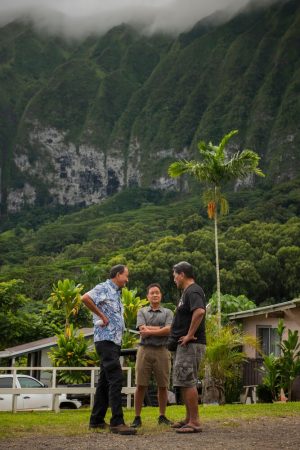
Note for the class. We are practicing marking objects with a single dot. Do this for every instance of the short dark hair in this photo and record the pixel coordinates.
(153, 285)
(184, 267)
(119, 268)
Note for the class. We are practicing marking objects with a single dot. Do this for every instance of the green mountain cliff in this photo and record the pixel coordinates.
(83, 120)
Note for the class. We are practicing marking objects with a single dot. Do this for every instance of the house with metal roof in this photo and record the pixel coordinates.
(262, 323)
(37, 353)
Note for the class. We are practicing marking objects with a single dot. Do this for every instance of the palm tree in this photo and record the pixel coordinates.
(215, 169)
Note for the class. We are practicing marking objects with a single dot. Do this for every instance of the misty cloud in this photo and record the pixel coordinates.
(77, 18)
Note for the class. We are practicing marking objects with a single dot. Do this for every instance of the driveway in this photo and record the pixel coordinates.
(279, 433)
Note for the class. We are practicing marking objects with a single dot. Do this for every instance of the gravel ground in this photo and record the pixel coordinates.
(279, 433)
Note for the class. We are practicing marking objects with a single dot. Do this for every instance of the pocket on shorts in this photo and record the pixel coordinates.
(184, 365)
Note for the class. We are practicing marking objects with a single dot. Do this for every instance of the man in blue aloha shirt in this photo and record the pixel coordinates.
(104, 300)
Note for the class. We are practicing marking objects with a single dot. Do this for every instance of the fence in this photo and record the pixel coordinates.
(252, 374)
(57, 390)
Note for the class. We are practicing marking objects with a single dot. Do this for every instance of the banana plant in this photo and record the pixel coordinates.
(270, 374)
(289, 361)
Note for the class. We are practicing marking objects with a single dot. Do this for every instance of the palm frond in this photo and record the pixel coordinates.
(243, 164)
(213, 148)
(194, 168)
(207, 151)
(178, 168)
(202, 146)
(225, 139)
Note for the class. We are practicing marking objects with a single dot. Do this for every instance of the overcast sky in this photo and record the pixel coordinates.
(80, 17)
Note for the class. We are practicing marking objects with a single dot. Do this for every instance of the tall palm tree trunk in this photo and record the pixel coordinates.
(217, 264)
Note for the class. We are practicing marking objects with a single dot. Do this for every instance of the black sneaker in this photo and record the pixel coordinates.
(162, 420)
(137, 423)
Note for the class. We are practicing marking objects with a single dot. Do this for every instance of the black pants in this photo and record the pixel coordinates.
(108, 391)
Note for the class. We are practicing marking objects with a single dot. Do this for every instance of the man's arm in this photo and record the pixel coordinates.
(154, 331)
(92, 307)
(197, 317)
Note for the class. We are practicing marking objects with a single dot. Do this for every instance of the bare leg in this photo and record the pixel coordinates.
(187, 413)
(139, 398)
(190, 398)
(162, 395)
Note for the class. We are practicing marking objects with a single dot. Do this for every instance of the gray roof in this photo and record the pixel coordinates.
(265, 309)
(34, 346)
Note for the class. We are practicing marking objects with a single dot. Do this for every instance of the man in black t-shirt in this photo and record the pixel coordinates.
(188, 329)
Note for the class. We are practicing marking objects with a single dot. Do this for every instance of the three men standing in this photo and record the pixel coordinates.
(154, 323)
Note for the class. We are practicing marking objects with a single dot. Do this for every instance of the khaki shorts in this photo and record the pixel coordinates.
(186, 364)
(151, 359)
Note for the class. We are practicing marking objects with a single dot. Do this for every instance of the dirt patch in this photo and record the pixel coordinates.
(275, 433)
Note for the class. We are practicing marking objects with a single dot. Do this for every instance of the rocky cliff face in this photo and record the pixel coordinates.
(76, 174)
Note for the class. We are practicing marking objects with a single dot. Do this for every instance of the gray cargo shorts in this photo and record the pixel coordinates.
(186, 364)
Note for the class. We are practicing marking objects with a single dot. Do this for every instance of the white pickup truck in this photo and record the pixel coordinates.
(38, 400)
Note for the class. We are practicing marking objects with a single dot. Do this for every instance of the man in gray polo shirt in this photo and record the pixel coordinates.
(154, 323)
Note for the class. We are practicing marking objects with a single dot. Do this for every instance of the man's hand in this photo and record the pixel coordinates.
(105, 320)
(184, 340)
(95, 310)
(144, 331)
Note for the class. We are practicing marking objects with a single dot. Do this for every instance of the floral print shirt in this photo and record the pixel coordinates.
(107, 297)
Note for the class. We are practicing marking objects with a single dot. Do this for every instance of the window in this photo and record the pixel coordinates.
(269, 340)
(29, 383)
(6, 382)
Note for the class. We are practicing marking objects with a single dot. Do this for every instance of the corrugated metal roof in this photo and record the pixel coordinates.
(265, 309)
(37, 345)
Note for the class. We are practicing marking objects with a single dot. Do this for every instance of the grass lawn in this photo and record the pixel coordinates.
(76, 421)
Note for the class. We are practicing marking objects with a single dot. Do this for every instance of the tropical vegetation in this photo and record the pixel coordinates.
(18, 320)
(215, 169)
(72, 349)
(66, 296)
(131, 303)
(279, 372)
(230, 304)
(222, 364)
